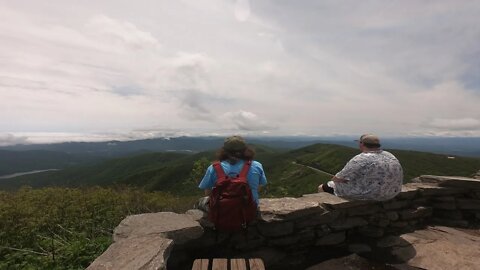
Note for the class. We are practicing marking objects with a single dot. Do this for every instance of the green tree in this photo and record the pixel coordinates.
(198, 170)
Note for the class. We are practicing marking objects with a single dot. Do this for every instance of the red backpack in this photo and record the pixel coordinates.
(232, 206)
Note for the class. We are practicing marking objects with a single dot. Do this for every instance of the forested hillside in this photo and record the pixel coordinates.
(66, 221)
(22, 161)
(175, 173)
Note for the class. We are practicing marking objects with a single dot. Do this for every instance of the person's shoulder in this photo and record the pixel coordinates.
(391, 157)
(256, 164)
(361, 156)
(386, 153)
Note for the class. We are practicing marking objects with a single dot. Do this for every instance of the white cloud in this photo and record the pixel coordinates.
(456, 124)
(10, 139)
(242, 10)
(122, 31)
(245, 121)
(205, 66)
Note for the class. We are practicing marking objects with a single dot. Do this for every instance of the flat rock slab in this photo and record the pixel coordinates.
(353, 262)
(407, 192)
(178, 227)
(433, 248)
(445, 248)
(135, 253)
(330, 201)
(433, 189)
(452, 181)
(287, 208)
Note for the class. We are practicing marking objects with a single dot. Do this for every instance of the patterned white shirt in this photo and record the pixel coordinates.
(373, 175)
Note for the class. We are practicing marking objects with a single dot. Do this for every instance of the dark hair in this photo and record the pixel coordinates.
(247, 154)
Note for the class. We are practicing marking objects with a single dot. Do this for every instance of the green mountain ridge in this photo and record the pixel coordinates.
(172, 172)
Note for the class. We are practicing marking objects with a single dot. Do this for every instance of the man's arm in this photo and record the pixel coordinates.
(339, 180)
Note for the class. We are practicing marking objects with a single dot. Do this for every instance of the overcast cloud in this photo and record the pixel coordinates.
(118, 69)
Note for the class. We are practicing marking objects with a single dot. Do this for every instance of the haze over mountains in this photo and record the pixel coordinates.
(462, 146)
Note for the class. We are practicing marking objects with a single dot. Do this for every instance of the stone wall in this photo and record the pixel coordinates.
(292, 233)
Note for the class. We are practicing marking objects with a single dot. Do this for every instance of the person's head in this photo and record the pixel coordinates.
(369, 142)
(235, 148)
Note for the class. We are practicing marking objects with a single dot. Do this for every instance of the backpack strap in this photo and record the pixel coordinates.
(246, 168)
(219, 170)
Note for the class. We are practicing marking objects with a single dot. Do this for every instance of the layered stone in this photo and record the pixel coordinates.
(178, 227)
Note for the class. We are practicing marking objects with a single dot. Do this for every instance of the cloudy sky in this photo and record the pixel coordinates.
(93, 70)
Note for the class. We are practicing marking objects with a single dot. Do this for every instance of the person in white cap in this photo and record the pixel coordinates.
(374, 174)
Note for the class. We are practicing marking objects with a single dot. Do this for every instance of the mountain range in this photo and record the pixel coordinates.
(289, 172)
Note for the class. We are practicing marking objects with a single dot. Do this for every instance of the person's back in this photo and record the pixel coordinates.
(374, 174)
(255, 176)
(232, 185)
(377, 175)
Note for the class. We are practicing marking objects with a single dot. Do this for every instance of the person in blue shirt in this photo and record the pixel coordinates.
(232, 156)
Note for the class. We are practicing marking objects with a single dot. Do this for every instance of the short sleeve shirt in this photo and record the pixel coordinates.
(255, 176)
(375, 175)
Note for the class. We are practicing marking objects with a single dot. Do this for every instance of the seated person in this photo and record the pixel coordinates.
(374, 174)
(233, 155)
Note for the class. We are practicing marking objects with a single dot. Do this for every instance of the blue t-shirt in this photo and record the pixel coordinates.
(255, 176)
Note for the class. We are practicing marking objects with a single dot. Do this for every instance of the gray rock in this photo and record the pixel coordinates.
(451, 223)
(275, 229)
(390, 241)
(399, 224)
(306, 235)
(248, 241)
(407, 193)
(196, 214)
(448, 214)
(323, 230)
(453, 181)
(395, 204)
(469, 204)
(287, 208)
(452, 249)
(317, 219)
(364, 210)
(348, 223)
(351, 262)
(445, 205)
(371, 231)
(419, 212)
(444, 199)
(330, 201)
(392, 216)
(403, 254)
(135, 253)
(331, 239)
(432, 189)
(380, 219)
(178, 227)
(420, 202)
(359, 248)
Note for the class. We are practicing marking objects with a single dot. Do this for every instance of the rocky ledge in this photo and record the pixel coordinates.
(296, 233)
